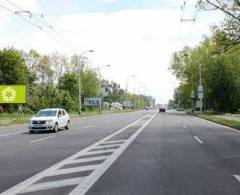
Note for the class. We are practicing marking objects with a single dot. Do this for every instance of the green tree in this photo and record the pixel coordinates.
(13, 69)
(69, 82)
(89, 83)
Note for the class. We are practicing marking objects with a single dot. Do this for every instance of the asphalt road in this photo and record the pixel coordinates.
(129, 153)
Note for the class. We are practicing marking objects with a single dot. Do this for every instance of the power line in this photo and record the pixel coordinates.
(40, 24)
(190, 19)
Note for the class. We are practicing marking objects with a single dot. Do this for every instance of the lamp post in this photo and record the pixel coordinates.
(139, 93)
(100, 83)
(79, 78)
(129, 77)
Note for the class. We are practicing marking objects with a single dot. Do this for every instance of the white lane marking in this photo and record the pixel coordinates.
(88, 159)
(74, 170)
(87, 127)
(53, 184)
(198, 139)
(86, 184)
(42, 139)
(117, 141)
(108, 146)
(15, 133)
(101, 151)
(28, 182)
(237, 177)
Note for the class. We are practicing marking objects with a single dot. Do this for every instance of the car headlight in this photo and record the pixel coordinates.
(49, 121)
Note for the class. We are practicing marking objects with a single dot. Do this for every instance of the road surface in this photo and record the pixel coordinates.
(127, 153)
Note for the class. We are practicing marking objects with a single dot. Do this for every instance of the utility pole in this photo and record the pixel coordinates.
(126, 99)
(200, 88)
(80, 59)
(79, 85)
(100, 84)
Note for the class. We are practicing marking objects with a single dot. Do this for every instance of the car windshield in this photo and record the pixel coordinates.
(46, 113)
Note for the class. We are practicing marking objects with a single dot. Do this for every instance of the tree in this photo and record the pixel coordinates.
(89, 83)
(230, 27)
(45, 72)
(13, 69)
(69, 83)
(220, 75)
(64, 100)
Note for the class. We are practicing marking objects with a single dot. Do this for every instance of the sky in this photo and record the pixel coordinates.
(134, 37)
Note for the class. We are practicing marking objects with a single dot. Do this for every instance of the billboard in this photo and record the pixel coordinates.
(12, 94)
(92, 101)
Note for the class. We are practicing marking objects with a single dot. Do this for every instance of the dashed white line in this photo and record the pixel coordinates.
(41, 139)
(237, 177)
(15, 133)
(198, 139)
(87, 127)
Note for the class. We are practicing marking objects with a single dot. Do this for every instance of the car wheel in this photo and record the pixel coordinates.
(31, 132)
(67, 125)
(55, 129)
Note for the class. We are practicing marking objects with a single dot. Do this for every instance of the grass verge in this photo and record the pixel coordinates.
(217, 119)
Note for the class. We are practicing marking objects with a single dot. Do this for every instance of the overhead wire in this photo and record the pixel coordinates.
(41, 25)
(192, 20)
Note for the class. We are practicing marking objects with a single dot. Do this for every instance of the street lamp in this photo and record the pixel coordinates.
(141, 87)
(129, 77)
(79, 78)
(100, 83)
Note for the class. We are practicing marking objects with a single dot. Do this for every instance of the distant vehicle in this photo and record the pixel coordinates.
(162, 109)
(147, 108)
(49, 119)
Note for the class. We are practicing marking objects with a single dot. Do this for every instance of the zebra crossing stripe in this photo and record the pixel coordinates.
(87, 159)
(73, 170)
(31, 183)
(53, 184)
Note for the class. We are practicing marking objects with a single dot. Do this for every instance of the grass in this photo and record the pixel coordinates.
(220, 120)
(9, 119)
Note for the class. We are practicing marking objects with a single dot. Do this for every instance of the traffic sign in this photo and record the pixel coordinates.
(92, 101)
(200, 88)
(200, 92)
